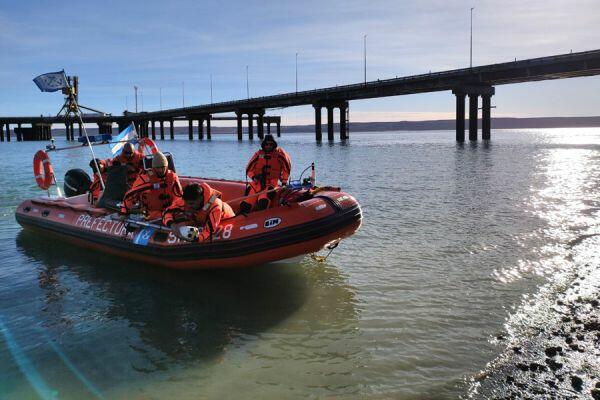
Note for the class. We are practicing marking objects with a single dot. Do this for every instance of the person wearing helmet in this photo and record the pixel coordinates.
(153, 190)
(266, 169)
(96, 187)
(131, 158)
(199, 206)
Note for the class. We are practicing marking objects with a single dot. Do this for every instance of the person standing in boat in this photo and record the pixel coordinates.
(96, 186)
(131, 158)
(267, 167)
(154, 190)
(199, 206)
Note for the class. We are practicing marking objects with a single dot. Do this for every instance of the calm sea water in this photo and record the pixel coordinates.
(457, 240)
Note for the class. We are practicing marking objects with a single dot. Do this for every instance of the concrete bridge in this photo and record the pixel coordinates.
(473, 83)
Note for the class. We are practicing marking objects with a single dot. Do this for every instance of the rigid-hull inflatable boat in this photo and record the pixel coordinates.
(307, 220)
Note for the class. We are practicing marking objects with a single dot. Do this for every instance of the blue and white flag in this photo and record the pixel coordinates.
(128, 134)
(52, 81)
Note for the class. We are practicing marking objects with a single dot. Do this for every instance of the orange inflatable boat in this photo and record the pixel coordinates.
(306, 219)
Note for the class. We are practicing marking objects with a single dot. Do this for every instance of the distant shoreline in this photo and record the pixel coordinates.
(450, 124)
(432, 125)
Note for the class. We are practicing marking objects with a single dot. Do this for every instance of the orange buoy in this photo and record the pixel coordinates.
(147, 142)
(42, 170)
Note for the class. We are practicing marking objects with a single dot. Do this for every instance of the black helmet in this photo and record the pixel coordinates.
(93, 163)
(268, 138)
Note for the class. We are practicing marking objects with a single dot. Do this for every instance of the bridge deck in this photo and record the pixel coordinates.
(544, 68)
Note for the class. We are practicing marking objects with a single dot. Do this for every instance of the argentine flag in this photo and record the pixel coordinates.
(128, 134)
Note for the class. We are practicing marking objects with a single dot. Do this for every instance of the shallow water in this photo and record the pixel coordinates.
(456, 242)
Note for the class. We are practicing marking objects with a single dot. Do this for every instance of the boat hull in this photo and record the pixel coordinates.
(261, 237)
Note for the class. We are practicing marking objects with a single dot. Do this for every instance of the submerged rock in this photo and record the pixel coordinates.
(576, 383)
(554, 365)
(552, 351)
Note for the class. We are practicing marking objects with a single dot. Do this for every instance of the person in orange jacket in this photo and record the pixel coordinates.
(96, 186)
(267, 167)
(133, 159)
(199, 206)
(154, 190)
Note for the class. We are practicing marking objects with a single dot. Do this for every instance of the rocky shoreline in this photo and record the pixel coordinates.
(560, 357)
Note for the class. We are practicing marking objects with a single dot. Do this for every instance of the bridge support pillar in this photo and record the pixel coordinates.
(79, 129)
(161, 124)
(8, 132)
(260, 123)
(330, 123)
(473, 106)
(278, 128)
(250, 126)
(208, 133)
(343, 121)
(190, 129)
(201, 129)
(171, 130)
(67, 133)
(460, 116)
(268, 127)
(1, 132)
(318, 127)
(19, 133)
(239, 125)
(153, 130)
(103, 128)
(486, 116)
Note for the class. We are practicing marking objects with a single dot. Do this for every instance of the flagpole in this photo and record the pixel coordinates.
(87, 139)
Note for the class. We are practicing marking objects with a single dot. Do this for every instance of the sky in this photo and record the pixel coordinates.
(171, 47)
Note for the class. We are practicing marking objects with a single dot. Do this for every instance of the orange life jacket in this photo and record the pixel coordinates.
(96, 188)
(269, 168)
(133, 163)
(208, 217)
(154, 193)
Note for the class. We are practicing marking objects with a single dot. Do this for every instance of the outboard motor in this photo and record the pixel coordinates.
(77, 182)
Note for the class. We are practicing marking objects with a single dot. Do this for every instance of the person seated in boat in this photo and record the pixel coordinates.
(96, 186)
(133, 159)
(199, 206)
(154, 190)
(267, 167)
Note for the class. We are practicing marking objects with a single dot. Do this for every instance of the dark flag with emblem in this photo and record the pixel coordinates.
(52, 81)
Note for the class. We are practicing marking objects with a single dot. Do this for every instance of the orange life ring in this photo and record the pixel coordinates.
(42, 170)
(147, 142)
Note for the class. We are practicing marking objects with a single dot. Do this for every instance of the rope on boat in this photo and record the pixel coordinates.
(322, 259)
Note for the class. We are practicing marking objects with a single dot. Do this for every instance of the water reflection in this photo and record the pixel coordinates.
(142, 320)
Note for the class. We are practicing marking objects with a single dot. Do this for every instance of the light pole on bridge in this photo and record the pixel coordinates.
(471, 41)
(365, 56)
